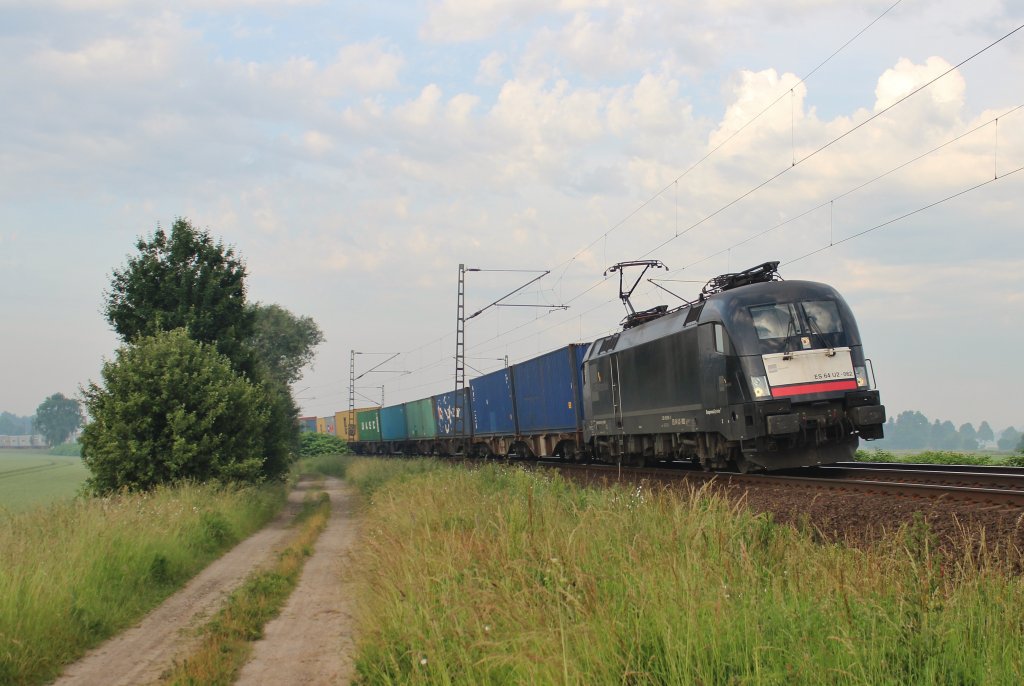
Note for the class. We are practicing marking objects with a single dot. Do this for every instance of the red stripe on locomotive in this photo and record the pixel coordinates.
(820, 387)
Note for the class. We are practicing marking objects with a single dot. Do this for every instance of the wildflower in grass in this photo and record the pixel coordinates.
(423, 661)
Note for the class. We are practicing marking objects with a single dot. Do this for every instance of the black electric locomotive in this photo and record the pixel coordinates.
(758, 373)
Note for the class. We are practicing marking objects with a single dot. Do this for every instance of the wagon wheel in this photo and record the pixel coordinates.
(742, 465)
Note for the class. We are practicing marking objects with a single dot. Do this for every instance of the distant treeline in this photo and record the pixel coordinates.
(911, 430)
(13, 425)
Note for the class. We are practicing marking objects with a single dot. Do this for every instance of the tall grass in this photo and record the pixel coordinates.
(75, 573)
(498, 576)
(328, 465)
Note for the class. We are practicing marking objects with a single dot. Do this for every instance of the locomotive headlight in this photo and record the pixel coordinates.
(760, 386)
(862, 377)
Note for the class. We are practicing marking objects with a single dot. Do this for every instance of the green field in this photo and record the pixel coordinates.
(34, 477)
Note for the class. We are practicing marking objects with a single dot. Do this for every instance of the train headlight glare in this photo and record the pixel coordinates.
(760, 386)
(862, 377)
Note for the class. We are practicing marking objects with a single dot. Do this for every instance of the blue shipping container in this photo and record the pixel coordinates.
(548, 391)
(392, 423)
(492, 404)
(444, 412)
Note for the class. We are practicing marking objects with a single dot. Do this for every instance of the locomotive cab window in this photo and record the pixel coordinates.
(775, 321)
(782, 320)
(822, 316)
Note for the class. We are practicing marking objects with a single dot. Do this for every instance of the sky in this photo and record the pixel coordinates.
(355, 154)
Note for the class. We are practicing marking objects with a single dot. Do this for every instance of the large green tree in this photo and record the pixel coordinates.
(283, 342)
(183, 280)
(171, 408)
(188, 281)
(57, 417)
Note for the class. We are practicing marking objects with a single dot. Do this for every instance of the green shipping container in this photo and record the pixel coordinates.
(419, 418)
(368, 422)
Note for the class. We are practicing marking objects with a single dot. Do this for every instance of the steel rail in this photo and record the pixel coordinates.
(998, 497)
(947, 478)
(928, 467)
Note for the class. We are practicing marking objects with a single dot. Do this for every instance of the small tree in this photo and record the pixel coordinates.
(282, 341)
(1009, 439)
(968, 437)
(57, 417)
(985, 433)
(171, 409)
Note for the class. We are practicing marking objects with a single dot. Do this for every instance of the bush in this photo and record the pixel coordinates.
(321, 444)
(1017, 459)
(170, 410)
(926, 457)
(67, 450)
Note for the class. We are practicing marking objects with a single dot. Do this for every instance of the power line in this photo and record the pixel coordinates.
(853, 190)
(743, 196)
(829, 144)
(756, 117)
(727, 140)
(909, 214)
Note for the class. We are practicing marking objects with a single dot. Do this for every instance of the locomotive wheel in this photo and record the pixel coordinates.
(742, 465)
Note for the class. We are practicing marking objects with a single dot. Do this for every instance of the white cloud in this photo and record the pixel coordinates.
(752, 92)
(906, 76)
(317, 142)
(424, 109)
(356, 68)
(152, 5)
(490, 69)
(467, 20)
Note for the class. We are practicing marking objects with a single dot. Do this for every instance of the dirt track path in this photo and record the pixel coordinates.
(311, 641)
(141, 654)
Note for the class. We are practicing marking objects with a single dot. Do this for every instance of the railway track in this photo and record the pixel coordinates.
(985, 487)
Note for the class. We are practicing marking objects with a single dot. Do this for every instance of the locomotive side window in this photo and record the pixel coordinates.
(719, 331)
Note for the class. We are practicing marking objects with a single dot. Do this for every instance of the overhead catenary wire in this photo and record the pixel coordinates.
(676, 231)
(909, 214)
(830, 143)
(852, 190)
(718, 147)
(714, 150)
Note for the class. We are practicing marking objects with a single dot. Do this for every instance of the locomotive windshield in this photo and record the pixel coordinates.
(816, 319)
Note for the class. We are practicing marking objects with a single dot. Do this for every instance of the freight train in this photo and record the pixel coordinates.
(756, 374)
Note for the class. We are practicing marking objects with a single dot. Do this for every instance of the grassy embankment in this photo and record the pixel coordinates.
(986, 459)
(227, 638)
(30, 477)
(77, 572)
(497, 575)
